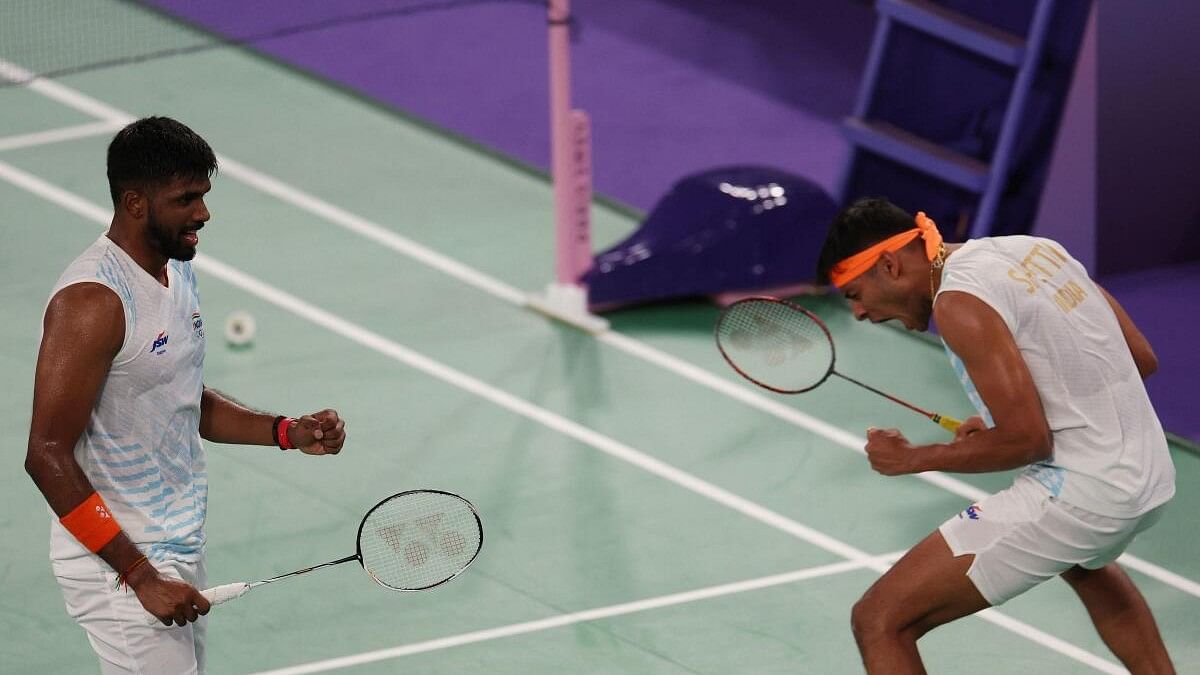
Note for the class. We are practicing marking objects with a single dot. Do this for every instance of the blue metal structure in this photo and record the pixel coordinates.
(997, 68)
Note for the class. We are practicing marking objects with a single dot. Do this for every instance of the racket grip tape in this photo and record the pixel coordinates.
(947, 423)
(218, 594)
(215, 596)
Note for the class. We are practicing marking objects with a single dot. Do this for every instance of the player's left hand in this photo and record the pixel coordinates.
(321, 433)
(889, 452)
(969, 426)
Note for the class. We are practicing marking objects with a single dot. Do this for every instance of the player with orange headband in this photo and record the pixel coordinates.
(1054, 366)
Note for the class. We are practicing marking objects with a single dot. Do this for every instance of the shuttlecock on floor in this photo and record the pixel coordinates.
(239, 329)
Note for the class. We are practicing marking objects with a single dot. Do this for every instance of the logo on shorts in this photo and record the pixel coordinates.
(160, 343)
(198, 325)
(973, 512)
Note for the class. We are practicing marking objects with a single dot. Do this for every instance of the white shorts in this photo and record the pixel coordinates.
(115, 623)
(1022, 536)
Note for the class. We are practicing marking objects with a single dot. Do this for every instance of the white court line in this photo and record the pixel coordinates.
(58, 135)
(551, 420)
(391, 240)
(369, 230)
(63, 94)
(573, 618)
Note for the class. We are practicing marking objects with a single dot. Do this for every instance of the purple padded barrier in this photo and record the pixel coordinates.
(726, 229)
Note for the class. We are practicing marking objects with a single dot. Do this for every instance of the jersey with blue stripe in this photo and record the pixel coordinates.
(141, 448)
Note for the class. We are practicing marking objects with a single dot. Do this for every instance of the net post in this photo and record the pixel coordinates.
(565, 298)
(573, 227)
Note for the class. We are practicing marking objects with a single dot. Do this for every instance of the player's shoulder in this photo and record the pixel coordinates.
(103, 262)
(88, 259)
(968, 320)
(84, 301)
(1012, 246)
(84, 317)
(996, 257)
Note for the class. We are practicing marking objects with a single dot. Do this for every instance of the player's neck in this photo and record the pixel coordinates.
(935, 270)
(153, 262)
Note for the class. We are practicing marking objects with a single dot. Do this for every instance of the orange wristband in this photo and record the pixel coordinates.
(92, 523)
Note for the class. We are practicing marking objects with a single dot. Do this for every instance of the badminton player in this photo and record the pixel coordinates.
(1054, 367)
(119, 409)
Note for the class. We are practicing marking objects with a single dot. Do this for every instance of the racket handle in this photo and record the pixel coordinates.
(215, 596)
(219, 594)
(948, 423)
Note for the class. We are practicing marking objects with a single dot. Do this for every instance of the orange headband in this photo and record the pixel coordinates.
(851, 268)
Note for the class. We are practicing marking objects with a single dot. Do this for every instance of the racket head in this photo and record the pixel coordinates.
(775, 344)
(418, 539)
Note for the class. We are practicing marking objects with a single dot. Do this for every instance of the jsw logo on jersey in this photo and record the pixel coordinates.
(973, 512)
(160, 344)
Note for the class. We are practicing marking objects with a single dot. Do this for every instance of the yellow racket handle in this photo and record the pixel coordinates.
(947, 423)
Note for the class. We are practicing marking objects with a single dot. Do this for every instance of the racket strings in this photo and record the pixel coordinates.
(775, 345)
(415, 541)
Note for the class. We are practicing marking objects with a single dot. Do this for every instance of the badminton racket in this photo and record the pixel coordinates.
(785, 348)
(411, 541)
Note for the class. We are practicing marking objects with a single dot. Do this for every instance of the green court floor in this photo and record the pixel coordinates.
(644, 510)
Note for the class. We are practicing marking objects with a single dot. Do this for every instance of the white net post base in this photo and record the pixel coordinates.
(567, 303)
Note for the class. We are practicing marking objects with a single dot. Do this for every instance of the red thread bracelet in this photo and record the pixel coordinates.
(123, 577)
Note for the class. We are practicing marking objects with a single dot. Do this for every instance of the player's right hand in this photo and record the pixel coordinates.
(171, 600)
(889, 452)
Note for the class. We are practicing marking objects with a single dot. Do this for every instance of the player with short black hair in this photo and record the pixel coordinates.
(120, 407)
(1054, 366)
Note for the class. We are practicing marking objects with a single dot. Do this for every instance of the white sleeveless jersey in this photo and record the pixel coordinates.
(1110, 454)
(142, 449)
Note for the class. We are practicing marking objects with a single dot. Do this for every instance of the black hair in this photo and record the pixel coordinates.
(153, 150)
(859, 226)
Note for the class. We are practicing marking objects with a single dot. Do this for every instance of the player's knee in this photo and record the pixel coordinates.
(868, 620)
(1090, 580)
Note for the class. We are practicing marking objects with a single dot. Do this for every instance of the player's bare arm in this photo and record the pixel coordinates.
(1021, 434)
(224, 420)
(83, 330)
(1139, 346)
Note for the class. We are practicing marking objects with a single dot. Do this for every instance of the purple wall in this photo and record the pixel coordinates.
(1148, 125)
(1067, 213)
(1153, 298)
(677, 86)
(1126, 160)
(672, 86)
